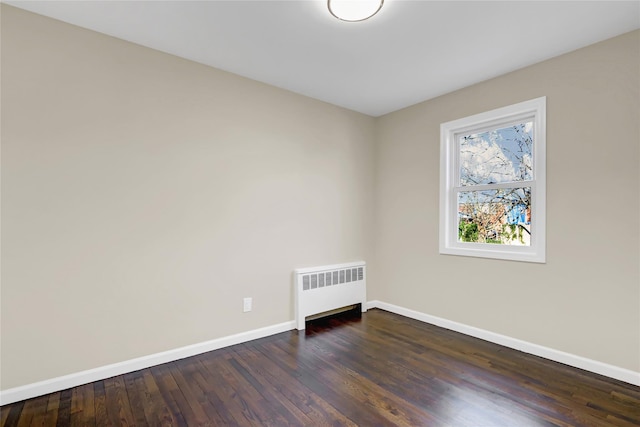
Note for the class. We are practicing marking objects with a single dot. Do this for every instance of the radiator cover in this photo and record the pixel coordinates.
(329, 287)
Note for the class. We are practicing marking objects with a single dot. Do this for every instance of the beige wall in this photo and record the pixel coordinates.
(586, 299)
(143, 196)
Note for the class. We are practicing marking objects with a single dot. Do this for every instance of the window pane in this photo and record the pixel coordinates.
(500, 216)
(497, 156)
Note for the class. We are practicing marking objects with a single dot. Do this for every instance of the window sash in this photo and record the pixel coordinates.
(496, 124)
(454, 209)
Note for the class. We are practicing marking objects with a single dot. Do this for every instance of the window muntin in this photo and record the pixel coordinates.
(492, 198)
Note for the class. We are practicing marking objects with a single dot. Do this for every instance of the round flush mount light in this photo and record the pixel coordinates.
(354, 10)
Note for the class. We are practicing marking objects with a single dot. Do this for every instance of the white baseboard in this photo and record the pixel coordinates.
(84, 377)
(610, 371)
(79, 378)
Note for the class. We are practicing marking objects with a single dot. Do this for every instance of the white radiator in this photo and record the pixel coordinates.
(326, 288)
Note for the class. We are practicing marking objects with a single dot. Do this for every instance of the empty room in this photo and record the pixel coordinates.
(314, 213)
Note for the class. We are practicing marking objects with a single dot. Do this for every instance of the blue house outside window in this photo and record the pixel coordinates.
(517, 215)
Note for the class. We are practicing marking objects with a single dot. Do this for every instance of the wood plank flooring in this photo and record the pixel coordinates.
(380, 369)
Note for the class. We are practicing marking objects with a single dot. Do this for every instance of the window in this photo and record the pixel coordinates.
(492, 184)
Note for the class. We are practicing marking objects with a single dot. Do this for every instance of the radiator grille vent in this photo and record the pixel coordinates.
(331, 278)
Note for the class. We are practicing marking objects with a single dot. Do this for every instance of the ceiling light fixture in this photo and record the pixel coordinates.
(354, 10)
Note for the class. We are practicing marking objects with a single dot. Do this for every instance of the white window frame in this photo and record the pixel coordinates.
(450, 174)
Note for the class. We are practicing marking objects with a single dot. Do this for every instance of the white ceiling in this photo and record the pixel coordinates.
(410, 52)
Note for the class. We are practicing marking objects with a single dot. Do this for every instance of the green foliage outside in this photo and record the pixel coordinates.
(468, 231)
(513, 232)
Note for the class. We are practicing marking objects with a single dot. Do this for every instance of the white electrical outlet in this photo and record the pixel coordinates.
(247, 304)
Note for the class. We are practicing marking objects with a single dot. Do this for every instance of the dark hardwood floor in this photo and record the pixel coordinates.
(378, 370)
